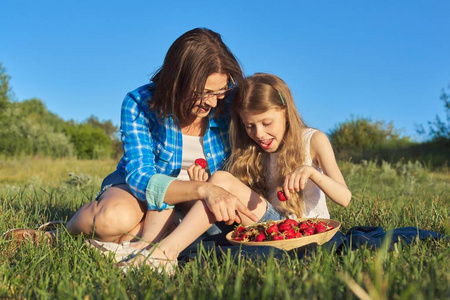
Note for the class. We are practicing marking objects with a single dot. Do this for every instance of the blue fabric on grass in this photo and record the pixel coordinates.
(356, 237)
(373, 237)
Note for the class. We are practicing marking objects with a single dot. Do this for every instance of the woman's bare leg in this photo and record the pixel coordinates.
(116, 213)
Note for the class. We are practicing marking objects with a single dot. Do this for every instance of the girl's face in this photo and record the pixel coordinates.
(266, 129)
(215, 84)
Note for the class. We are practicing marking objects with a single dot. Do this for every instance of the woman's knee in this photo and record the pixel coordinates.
(116, 216)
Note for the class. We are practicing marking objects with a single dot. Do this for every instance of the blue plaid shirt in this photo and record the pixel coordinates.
(153, 146)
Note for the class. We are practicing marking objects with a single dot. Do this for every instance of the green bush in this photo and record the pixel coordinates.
(361, 138)
(23, 133)
(88, 141)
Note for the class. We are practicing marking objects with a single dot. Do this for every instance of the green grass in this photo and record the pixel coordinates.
(390, 196)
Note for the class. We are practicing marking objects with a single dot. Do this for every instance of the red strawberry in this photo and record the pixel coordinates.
(291, 222)
(298, 234)
(273, 229)
(303, 226)
(201, 162)
(278, 237)
(260, 237)
(245, 237)
(320, 228)
(322, 223)
(240, 229)
(311, 223)
(290, 233)
(308, 231)
(283, 227)
(281, 196)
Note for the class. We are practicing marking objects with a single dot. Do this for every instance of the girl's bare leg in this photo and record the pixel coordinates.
(152, 229)
(199, 218)
(247, 196)
(194, 224)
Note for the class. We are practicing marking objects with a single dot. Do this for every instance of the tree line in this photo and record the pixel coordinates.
(28, 128)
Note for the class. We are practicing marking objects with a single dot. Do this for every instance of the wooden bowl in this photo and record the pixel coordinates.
(317, 238)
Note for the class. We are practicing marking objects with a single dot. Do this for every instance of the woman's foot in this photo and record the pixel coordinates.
(19, 235)
(46, 233)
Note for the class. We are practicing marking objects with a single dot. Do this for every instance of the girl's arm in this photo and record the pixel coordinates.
(331, 182)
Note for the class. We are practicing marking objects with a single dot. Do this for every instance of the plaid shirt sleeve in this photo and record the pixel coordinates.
(136, 126)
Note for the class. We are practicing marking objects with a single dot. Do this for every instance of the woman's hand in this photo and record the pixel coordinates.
(224, 205)
(197, 173)
(295, 181)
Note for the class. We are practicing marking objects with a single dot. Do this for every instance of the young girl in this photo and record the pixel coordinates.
(273, 150)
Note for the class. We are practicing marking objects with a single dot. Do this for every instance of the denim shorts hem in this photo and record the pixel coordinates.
(271, 214)
(115, 178)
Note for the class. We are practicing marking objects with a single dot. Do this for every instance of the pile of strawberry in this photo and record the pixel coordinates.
(279, 230)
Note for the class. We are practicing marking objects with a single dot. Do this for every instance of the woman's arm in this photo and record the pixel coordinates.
(221, 203)
(137, 142)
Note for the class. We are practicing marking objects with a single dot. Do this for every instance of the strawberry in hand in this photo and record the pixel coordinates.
(281, 196)
(201, 162)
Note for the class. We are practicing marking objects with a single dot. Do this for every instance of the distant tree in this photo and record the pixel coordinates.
(5, 90)
(36, 111)
(362, 138)
(29, 128)
(439, 130)
(107, 126)
(25, 135)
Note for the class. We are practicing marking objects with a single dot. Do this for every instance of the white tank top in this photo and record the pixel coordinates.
(315, 200)
(192, 149)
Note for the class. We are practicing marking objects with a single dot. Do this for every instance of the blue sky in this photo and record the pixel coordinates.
(383, 60)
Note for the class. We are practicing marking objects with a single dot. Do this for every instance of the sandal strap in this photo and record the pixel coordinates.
(50, 225)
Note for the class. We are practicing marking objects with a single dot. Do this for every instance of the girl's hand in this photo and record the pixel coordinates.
(197, 173)
(295, 181)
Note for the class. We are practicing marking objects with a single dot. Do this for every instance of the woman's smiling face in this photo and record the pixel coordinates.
(215, 82)
(266, 129)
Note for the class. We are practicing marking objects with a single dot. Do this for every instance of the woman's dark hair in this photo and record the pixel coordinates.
(194, 56)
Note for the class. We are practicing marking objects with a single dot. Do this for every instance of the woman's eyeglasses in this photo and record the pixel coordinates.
(219, 94)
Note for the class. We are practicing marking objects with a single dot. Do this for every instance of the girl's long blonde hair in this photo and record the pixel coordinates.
(248, 162)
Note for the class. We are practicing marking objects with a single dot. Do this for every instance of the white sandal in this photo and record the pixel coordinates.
(120, 251)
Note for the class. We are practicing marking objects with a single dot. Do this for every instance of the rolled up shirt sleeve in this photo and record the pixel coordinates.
(156, 192)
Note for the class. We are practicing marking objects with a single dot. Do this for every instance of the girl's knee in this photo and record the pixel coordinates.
(223, 179)
(220, 175)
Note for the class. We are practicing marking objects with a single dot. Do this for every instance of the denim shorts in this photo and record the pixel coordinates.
(113, 179)
(271, 214)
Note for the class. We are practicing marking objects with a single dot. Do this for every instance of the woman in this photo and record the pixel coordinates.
(181, 115)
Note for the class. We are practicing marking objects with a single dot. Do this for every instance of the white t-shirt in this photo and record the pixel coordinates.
(192, 149)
